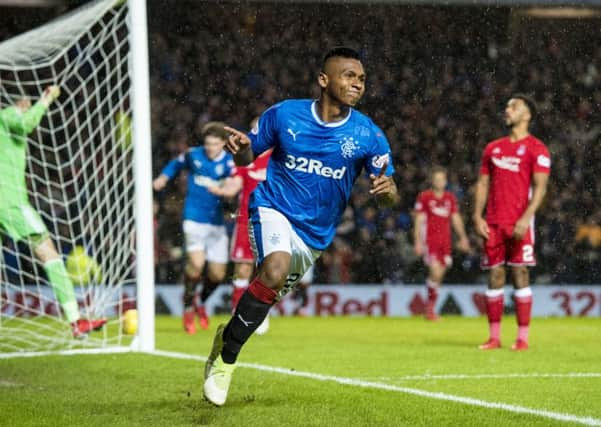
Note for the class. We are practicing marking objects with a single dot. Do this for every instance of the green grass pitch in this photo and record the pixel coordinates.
(392, 360)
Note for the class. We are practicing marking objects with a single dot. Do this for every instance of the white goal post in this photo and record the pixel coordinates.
(88, 174)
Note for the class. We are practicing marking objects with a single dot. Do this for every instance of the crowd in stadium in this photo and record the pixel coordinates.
(438, 93)
(436, 86)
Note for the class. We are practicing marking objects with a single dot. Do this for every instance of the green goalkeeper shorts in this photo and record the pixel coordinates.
(21, 222)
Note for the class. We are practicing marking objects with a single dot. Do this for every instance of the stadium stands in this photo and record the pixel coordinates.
(437, 82)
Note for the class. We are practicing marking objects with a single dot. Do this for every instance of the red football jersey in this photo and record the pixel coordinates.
(438, 210)
(511, 166)
(251, 176)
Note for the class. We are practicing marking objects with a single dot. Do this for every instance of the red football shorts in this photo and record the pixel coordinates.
(438, 253)
(501, 248)
(241, 250)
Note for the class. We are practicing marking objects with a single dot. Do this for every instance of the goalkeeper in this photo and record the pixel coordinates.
(17, 217)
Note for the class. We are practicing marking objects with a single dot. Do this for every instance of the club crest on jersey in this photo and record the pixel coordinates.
(521, 150)
(378, 161)
(197, 164)
(219, 169)
(348, 147)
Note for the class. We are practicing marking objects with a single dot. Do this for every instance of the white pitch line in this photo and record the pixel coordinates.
(589, 421)
(427, 377)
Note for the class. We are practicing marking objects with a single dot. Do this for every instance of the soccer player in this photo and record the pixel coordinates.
(18, 219)
(319, 149)
(510, 166)
(204, 230)
(244, 182)
(436, 209)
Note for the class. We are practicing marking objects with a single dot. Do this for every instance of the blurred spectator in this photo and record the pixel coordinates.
(588, 234)
(588, 250)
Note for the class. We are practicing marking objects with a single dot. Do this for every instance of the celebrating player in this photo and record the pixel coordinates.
(509, 166)
(18, 219)
(244, 181)
(319, 149)
(204, 229)
(436, 209)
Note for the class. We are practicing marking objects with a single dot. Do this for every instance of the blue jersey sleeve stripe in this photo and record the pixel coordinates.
(256, 234)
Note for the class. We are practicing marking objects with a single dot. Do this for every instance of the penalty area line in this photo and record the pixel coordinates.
(589, 421)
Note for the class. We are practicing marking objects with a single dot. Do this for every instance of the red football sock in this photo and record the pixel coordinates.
(523, 308)
(240, 285)
(494, 309)
(261, 292)
(432, 288)
(236, 295)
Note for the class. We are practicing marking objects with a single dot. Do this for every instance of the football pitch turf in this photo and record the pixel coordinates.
(335, 371)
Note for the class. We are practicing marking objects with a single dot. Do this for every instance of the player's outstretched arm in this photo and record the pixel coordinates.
(24, 121)
(540, 181)
(480, 197)
(239, 145)
(33, 116)
(384, 188)
(231, 186)
(170, 171)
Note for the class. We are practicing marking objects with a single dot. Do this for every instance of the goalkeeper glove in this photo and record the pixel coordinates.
(50, 94)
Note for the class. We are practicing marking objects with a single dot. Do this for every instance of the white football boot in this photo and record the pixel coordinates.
(218, 374)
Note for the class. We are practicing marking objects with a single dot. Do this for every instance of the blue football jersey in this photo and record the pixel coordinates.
(201, 205)
(314, 165)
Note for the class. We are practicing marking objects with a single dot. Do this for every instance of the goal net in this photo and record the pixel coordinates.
(80, 179)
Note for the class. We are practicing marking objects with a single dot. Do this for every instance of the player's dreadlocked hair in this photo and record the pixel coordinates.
(340, 51)
(529, 103)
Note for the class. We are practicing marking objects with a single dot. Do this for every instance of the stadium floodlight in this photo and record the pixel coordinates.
(89, 177)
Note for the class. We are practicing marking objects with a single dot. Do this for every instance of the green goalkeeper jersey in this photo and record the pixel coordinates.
(15, 125)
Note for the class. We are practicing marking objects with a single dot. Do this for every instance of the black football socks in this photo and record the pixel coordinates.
(253, 307)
